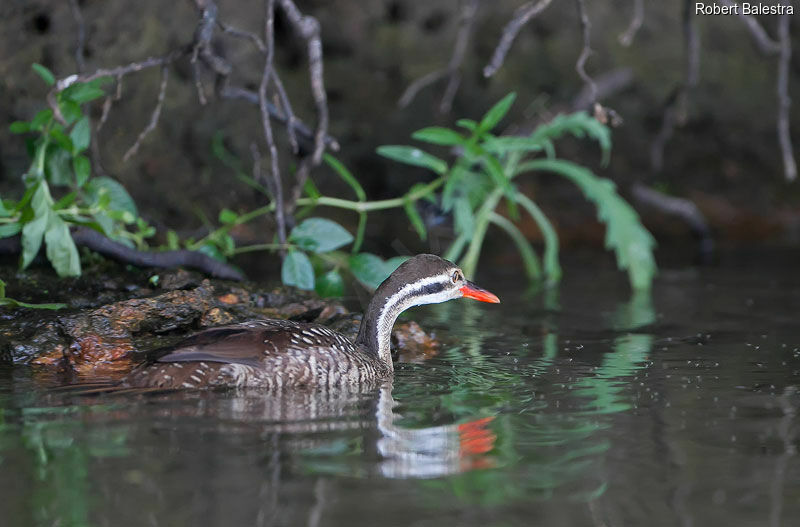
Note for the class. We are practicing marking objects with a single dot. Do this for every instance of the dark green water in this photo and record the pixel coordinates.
(579, 407)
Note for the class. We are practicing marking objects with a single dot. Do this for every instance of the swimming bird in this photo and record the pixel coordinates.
(281, 354)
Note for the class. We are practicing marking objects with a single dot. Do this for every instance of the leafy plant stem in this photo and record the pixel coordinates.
(531, 261)
(470, 262)
(552, 268)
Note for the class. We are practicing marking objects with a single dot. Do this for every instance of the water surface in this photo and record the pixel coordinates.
(582, 406)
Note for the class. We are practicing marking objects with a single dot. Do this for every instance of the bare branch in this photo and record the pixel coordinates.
(766, 45)
(153, 118)
(784, 101)
(290, 119)
(453, 69)
(246, 35)
(277, 185)
(680, 207)
(586, 52)
(308, 28)
(121, 71)
(626, 38)
(521, 16)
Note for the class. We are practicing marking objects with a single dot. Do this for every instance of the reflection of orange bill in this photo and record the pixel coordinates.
(475, 438)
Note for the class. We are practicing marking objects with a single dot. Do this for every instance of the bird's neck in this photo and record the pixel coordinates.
(375, 332)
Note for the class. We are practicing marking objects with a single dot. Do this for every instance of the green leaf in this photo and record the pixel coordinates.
(413, 156)
(9, 229)
(80, 136)
(10, 302)
(82, 92)
(32, 234)
(65, 201)
(61, 250)
(105, 224)
(578, 124)
(346, 176)
(371, 270)
(468, 124)
(228, 217)
(119, 199)
(19, 127)
(57, 166)
(61, 139)
(297, 271)
(368, 269)
(330, 285)
(82, 168)
(415, 219)
(497, 112)
(41, 118)
(631, 242)
(173, 241)
(46, 75)
(505, 144)
(320, 235)
(70, 110)
(439, 136)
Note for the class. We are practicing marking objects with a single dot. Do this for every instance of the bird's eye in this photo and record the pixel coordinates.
(456, 277)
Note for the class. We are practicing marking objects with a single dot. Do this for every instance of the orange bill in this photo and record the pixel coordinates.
(478, 293)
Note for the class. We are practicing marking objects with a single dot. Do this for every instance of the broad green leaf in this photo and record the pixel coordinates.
(105, 224)
(578, 124)
(632, 243)
(207, 249)
(415, 219)
(346, 176)
(61, 250)
(320, 235)
(119, 197)
(19, 127)
(41, 202)
(439, 136)
(173, 241)
(228, 217)
(57, 166)
(46, 75)
(80, 135)
(5, 211)
(497, 112)
(9, 229)
(330, 285)
(61, 139)
(82, 168)
(32, 234)
(368, 269)
(297, 271)
(81, 92)
(41, 118)
(70, 110)
(413, 156)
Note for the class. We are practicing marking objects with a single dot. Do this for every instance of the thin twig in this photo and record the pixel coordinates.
(784, 101)
(153, 118)
(626, 38)
(521, 16)
(308, 28)
(269, 39)
(121, 71)
(239, 33)
(453, 69)
(586, 52)
(766, 45)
